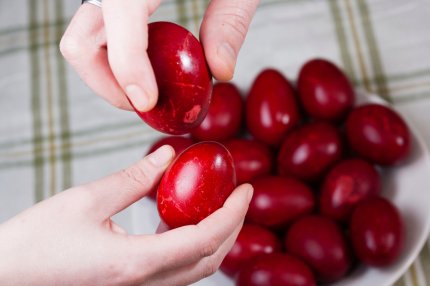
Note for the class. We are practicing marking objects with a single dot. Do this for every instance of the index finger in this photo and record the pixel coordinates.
(188, 244)
(126, 24)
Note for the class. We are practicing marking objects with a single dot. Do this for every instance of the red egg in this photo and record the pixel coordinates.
(251, 159)
(378, 134)
(196, 184)
(183, 78)
(275, 270)
(271, 108)
(179, 143)
(252, 241)
(224, 118)
(325, 90)
(277, 201)
(308, 152)
(322, 245)
(376, 231)
(348, 183)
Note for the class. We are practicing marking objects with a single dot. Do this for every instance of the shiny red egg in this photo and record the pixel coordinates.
(179, 144)
(271, 108)
(348, 183)
(309, 151)
(278, 201)
(183, 79)
(321, 244)
(225, 115)
(196, 184)
(379, 134)
(252, 240)
(324, 90)
(252, 159)
(376, 231)
(275, 270)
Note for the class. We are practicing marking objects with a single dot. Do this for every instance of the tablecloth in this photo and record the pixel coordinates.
(55, 133)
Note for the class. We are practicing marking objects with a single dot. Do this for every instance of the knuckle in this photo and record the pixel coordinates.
(237, 21)
(209, 248)
(209, 268)
(136, 176)
(70, 48)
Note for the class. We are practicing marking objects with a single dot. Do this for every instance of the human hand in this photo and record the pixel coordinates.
(123, 69)
(70, 238)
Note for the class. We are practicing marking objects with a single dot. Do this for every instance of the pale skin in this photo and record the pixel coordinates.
(70, 238)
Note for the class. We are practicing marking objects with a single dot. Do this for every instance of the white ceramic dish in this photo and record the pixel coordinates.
(406, 185)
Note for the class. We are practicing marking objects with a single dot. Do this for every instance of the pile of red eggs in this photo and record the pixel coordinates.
(314, 160)
(312, 156)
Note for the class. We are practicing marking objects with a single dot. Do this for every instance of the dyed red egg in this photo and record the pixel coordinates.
(376, 231)
(251, 159)
(348, 183)
(225, 115)
(378, 133)
(277, 201)
(275, 270)
(252, 240)
(309, 151)
(321, 244)
(196, 184)
(271, 108)
(183, 79)
(324, 90)
(179, 143)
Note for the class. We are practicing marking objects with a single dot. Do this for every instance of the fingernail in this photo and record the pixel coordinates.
(137, 97)
(250, 192)
(161, 156)
(227, 53)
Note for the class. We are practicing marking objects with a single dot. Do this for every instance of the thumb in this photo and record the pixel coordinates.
(118, 191)
(222, 33)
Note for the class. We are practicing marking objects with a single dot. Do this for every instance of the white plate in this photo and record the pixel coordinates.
(407, 186)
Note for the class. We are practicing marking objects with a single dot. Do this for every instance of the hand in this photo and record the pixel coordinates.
(70, 238)
(123, 69)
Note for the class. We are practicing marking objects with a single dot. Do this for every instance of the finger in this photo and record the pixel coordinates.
(223, 31)
(83, 46)
(127, 41)
(205, 267)
(116, 192)
(188, 244)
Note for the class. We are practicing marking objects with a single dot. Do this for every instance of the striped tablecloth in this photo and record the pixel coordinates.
(54, 133)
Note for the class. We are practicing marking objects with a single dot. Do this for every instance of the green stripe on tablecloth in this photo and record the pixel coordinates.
(12, 30)
(26, 47)
(52, 166)
(79, 133)
(378, 68)
(38, 159)
(63, 103)
(124, 145)
(357, 43)
(195, 14)
(182, 12)
(341, 39)
(425, 258)
(400, 282)
(90, 142)
(407, 98)
(413, 272)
